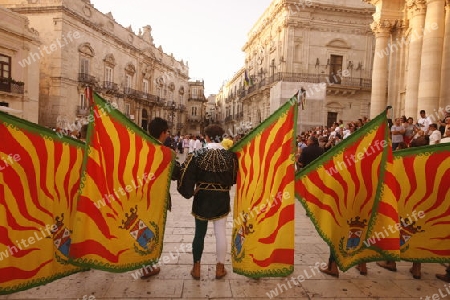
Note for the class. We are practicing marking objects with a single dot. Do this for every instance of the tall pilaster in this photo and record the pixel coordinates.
(395, 69)
(378, 101)
(417, 10)
(445, 74)
(430, 70)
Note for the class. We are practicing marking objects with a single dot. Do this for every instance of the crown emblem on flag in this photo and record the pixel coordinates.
(410, 227)
(357, 223)
(130, 218)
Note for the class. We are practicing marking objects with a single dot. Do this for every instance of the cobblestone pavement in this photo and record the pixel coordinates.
(175, 282)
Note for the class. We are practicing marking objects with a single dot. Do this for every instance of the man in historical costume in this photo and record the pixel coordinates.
(159, 129)
(208, 174)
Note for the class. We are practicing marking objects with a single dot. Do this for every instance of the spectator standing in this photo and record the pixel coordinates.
(423, 122)
(397, 131)
(434, 133)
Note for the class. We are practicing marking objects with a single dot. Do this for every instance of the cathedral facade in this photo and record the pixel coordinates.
(412, 57)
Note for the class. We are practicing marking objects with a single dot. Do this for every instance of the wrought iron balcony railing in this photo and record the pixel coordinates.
(86, 78)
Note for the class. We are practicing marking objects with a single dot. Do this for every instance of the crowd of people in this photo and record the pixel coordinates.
(405, 132)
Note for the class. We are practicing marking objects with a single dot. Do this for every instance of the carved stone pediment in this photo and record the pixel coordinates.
(130, 68)
(86, 49)
(110, 60)
(338, 43)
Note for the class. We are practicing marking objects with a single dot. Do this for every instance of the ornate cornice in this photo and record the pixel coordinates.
(385, 26)
(416, 7)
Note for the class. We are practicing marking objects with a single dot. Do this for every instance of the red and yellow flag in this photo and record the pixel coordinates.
(263, 219)
(343, 193)
(421, 179)
(122, 208)
(38, 191)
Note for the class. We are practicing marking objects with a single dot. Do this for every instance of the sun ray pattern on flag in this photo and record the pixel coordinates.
(343, 193)
(424, 202)
(263, 219)
(122, 208)
(38, 193)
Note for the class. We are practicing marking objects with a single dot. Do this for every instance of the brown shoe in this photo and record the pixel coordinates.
(220, 270)
(388, 265)
(195, 273)
(331, 269)
(153, 272)
(415, 271)
(445, 277)
(362, 268)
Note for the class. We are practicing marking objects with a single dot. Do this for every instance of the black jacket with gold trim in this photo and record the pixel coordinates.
(208, 175)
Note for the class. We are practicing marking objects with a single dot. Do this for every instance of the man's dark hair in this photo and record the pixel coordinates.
(422, 111)
(215, 133)
(157, 126)
(314, 140)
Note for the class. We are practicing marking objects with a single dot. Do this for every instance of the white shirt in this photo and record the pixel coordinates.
(191, 145)
(214, 146)
(425, 122)
(435, 137)
(197, 145)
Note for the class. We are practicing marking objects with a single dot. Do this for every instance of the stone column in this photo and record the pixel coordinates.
(382, 32)
(395, 70)
(430, 70)
(417, 10)
(445, 75)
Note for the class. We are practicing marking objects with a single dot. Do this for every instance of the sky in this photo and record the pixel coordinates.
(208, 34)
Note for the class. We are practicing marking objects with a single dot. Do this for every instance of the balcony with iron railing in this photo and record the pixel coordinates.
(86, 78)
(160, 101)
(344, 82)
(170, 105)
(181, 107)
(82, 111)
(149, 98)
(110, 86)
(179, 126)
(131, 93)
(197, 98)
(9, 85)
(194, 119)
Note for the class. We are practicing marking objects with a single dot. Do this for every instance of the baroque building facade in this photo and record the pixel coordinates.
(325, 47)
(196, 108)
(412, 57)
(19, 82)
(82, 46)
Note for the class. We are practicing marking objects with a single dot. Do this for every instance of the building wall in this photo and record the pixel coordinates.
(196, 108)
(18, 41)
(293, 42)
(412, 57)
(79, 32)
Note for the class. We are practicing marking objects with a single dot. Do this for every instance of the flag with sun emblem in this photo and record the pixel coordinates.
(344, 194)
(423, 202)
(263, 219)
(120, 220)
(38, 191)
